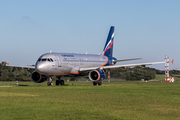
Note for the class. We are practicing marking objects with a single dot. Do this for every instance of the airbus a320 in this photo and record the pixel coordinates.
(70, 64)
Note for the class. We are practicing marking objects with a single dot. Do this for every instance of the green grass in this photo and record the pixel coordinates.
(82, 100)
(162, 77)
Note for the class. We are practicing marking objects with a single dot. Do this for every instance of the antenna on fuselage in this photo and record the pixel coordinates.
(50, 51)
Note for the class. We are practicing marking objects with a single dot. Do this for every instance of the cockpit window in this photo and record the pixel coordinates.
(45, 59)
(50, 59)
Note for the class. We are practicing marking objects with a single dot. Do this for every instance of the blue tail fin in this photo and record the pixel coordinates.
(108, 48)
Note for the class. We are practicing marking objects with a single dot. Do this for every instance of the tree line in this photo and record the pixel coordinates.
(134, 73)
(14, 73)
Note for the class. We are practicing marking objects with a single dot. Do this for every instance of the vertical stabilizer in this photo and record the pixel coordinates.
(108, 48)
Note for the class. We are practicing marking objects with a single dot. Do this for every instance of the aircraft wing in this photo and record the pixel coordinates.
(118, 66)
(33, 67)
(114, 61)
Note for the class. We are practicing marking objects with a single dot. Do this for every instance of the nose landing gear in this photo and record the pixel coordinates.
(50, 81)
(59, 81)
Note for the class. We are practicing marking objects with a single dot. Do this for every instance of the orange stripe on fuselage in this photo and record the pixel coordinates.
(105, 63)
(74, 73)
(64, 74)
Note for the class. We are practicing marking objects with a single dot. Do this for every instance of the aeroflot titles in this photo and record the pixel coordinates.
(68, 55)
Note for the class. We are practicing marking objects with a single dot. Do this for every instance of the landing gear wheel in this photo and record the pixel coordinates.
(48, 83)
(62, 82)
(100, 83)
(94, 83)
(57, 82)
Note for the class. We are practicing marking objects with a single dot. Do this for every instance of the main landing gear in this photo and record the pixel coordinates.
(59, 81)
(99, 83)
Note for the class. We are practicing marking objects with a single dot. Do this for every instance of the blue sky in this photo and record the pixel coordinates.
(146, 29)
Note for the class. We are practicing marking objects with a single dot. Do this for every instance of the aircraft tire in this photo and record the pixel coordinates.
(48, 83)
(94, 83)
(57, 82)
(62, 82)
(100, 83)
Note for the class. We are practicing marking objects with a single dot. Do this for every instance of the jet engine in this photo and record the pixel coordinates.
(96, 75)
(38, 78)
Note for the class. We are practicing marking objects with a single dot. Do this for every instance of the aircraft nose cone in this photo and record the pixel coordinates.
(39, 67)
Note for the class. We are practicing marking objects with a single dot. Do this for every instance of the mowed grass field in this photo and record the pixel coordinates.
(82, 100)
(162, 77)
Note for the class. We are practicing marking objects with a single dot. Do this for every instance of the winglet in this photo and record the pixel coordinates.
(7, 63)
(172, 61)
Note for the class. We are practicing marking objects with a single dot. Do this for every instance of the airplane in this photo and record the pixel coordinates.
(72, 64)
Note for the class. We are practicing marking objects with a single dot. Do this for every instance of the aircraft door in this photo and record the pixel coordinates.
(58, 61)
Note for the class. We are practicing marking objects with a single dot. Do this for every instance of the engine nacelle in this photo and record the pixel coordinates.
(37, 77)
(96, 75)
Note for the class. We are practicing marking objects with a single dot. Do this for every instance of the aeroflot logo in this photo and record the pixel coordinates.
(108, 46)
(68, 55)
